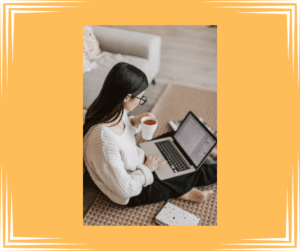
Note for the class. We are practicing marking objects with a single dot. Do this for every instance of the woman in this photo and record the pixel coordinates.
(114, 162)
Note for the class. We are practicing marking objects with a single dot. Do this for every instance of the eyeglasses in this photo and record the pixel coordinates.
(143, 100)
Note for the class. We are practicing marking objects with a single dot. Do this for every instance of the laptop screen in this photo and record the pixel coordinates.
(194, 139)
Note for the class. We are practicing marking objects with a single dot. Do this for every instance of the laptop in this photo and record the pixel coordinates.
(185, 151)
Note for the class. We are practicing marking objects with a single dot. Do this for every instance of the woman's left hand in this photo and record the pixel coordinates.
(136, 120)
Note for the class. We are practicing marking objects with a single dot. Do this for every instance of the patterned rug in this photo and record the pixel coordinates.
(106, 213)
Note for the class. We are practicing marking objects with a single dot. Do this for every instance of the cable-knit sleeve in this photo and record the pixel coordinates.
(148, 174)
(136, 129)
(109, 167)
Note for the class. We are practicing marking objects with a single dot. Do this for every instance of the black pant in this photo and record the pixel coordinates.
(163, 190)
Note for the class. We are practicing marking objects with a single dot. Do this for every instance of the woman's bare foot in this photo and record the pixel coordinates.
(196, 195)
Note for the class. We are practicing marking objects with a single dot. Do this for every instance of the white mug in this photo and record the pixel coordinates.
(148, 130)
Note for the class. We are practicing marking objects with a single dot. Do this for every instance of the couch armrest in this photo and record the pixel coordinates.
(131, 43)
(84, 113)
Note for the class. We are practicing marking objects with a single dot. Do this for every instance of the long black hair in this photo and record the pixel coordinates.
(123, 79)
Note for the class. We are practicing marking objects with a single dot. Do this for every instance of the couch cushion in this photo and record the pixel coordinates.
(91, 49)
(87, 65)
(94, 80)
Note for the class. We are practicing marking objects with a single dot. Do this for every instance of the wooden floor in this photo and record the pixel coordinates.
(188, 54)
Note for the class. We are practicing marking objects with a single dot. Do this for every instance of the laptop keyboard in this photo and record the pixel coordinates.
(172, 156)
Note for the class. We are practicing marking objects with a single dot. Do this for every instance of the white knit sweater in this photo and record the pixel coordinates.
(115, 162)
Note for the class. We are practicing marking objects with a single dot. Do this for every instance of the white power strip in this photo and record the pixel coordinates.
(173, 126)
